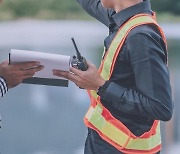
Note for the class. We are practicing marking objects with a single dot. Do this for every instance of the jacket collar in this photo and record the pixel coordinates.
(121, 17)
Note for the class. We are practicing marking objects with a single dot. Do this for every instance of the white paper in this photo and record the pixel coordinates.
(48, 60)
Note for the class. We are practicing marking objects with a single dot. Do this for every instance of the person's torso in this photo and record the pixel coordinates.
(123, 75)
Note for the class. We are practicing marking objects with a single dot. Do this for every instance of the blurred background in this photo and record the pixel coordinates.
(49, 120)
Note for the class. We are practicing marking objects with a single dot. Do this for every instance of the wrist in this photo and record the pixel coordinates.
(100, 83)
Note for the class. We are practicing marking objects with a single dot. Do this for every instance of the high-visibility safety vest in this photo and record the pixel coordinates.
(101, 120)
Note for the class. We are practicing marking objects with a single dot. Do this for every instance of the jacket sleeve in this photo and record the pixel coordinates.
(96, 10)
(3, 87)
(152, 96)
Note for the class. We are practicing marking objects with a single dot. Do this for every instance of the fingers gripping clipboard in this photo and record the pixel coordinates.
(49, 61)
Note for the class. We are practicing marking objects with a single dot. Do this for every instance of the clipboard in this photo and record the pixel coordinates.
(48, 60)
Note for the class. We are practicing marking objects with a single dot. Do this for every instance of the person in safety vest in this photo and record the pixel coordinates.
(131, 92)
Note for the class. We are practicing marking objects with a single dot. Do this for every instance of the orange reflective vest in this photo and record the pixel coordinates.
(101, 120)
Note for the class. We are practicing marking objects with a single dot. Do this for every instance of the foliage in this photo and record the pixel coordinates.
(48, 9)
(168, 6)
(62, 9)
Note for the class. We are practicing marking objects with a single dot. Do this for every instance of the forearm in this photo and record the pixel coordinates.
(3, 87)
(135, 103)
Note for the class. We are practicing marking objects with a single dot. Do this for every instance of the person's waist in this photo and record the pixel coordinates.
(138, 125)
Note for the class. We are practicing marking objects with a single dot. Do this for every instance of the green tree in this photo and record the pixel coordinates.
(168, 6)
(58, 9)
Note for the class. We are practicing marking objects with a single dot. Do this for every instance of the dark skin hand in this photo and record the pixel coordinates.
(14, 74)
(90, 79)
